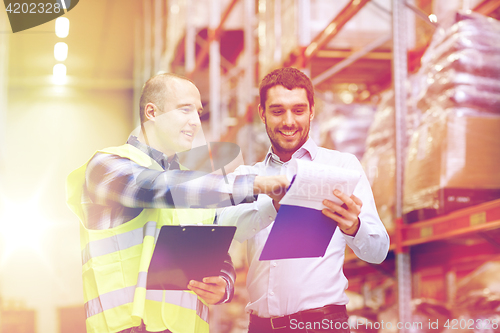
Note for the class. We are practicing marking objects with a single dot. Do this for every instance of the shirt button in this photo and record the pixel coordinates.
(271, 293)
(275, 264)
(254, 229)
(270, 218)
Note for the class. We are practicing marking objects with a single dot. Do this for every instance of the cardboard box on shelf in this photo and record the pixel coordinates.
(452, 163)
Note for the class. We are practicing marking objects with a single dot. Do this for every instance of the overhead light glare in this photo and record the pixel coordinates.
(29, 230)
(62, 27)
(331, 28)
(433, 18)
(59, 74)
(61, 51)
(346, 97)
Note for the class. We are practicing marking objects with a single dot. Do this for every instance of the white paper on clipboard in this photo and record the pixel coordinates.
(314, 182)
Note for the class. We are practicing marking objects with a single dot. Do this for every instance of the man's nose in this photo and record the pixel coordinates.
(194, 120)
(288, 119)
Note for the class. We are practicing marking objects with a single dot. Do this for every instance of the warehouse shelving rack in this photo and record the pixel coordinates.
(465, 222)
(461, 224)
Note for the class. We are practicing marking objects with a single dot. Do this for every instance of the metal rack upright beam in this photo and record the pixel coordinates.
(399, 72)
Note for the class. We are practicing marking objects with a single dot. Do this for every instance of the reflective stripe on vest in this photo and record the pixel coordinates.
(112, 304)
(126, 295)
(118, 242)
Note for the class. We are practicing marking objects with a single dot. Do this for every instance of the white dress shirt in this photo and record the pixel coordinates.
(283, 287)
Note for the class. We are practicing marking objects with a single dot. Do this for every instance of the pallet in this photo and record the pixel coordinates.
(452, 199)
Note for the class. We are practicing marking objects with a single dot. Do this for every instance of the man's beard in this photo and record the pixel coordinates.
(278, 148)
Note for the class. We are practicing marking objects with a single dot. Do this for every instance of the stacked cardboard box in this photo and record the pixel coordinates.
(379, 160)
(453, 155)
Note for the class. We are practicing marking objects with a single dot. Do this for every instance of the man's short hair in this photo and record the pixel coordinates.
(155, 91)
(289, 78)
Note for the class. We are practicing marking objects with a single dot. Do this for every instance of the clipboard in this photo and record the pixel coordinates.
(184, 253)
(300, 229)
(298, 232)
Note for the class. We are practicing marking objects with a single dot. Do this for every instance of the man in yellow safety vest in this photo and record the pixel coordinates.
(123, 195)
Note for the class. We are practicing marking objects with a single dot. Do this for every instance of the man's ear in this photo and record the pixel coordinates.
(150, 111)
(262, 114)
(313, 112)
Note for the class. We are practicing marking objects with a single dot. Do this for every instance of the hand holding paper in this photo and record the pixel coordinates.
(345, 215)
(304, 226)
(315, 182)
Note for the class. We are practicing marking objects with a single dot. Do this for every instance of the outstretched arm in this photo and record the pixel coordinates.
(113, 179)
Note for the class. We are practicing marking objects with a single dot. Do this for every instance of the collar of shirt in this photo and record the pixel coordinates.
(309, 147)
(156, 155)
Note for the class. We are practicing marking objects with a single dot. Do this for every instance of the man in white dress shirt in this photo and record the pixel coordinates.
(302, 295)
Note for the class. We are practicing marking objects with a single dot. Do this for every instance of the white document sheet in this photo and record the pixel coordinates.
(315, 182)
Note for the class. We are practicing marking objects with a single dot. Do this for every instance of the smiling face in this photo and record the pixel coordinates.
(177, 122)
(287, 116)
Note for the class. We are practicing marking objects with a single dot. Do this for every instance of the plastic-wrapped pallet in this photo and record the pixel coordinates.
(452, 162)
(461, 67)
(453, 158)
(348, 128)
(379, 160)
(463, 30)
(427, 316)
(379, 163)
(478, 300)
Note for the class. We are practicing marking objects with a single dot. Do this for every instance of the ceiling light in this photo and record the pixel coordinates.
(346, 97)
(61, 51)
(59, 74)
(353, 87)
(62, 27)
(364, 94)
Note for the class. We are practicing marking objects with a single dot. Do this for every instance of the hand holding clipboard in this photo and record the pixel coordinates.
(185, 253)
(301, 230)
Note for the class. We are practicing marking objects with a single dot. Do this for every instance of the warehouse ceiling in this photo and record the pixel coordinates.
(100, 48)
(101, 52)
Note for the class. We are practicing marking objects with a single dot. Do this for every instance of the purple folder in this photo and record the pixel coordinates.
(298, 232)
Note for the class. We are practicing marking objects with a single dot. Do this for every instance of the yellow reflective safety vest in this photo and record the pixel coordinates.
(116, 261)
